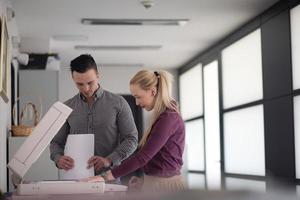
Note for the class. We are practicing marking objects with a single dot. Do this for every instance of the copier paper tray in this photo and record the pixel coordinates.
(60, 187)
(67, 187)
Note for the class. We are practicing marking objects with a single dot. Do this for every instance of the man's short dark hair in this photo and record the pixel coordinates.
(83, 63)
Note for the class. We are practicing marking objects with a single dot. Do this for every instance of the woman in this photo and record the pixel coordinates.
(161, 147)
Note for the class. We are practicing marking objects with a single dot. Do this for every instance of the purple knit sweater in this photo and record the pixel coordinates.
(162, 154)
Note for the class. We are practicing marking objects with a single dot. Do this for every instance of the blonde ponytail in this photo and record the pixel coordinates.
(147, 79)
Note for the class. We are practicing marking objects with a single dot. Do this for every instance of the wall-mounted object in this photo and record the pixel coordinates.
(41, 62)
(10, 13)
(4, 60)
(22, 58)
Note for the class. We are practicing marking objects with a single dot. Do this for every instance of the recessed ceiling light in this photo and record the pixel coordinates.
(153, 22)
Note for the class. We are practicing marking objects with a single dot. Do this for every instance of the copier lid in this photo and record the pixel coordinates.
(39, 139)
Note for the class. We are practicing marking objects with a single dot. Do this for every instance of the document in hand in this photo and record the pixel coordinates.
(80, 147)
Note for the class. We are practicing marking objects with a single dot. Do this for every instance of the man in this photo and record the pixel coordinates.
(99, 112)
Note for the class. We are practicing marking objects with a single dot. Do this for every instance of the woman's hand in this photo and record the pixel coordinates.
(98, 162)
(107, 176)
(92, 179)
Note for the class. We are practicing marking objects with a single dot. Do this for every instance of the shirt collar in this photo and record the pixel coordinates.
(96, 95)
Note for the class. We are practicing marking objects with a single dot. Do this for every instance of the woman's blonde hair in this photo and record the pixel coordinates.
(162, 80)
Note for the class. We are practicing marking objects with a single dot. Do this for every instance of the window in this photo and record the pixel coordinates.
(190, 85)
(195, 144)
(244, 141)
(297, 134)
(244, 184)
(295, 37)
(196, 181)
(242, 71)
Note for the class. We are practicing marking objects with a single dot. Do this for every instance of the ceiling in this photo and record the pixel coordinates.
(210, 21)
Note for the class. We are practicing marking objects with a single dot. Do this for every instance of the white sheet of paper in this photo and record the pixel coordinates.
(80, 147)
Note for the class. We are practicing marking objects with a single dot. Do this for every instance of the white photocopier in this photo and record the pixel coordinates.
(32, 148)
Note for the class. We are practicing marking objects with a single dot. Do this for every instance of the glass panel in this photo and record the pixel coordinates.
(212, 125)
(190, 85)
(244, 144)
(297, 134)
(295, 33)
(195, 144)
(196, 181)
(242, 71)
(245, 184)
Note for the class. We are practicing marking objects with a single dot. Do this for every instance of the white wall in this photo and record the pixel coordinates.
(34, 45)
(5, 114)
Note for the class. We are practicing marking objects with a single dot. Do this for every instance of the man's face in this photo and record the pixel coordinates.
(86, 82)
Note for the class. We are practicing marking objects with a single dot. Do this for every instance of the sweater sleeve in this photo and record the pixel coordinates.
(161, 131)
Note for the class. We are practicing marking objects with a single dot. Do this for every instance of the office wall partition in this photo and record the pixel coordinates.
(259, 99)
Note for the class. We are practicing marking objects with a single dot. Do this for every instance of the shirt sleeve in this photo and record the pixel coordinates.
(162, 130)
(57, 145)
(128, 134)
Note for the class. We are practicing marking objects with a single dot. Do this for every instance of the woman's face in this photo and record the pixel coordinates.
(143, 98)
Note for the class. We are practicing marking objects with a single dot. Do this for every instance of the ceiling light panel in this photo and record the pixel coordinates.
(70, 37)
(137, 22)
(117, 47)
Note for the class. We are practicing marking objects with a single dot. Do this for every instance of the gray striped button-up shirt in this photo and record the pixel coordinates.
(109, 118)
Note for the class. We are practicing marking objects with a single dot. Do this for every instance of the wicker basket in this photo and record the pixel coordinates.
(21, 129)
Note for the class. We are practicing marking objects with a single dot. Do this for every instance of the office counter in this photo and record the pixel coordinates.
(278, 194)
(99, 196)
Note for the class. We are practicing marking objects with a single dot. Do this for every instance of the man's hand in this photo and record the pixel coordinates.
(65, 162)
(98, 162)
(16, 180)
